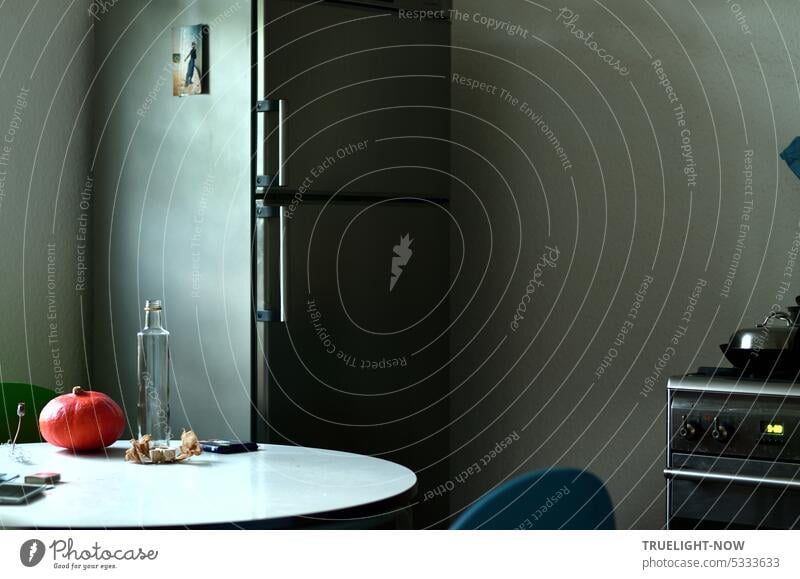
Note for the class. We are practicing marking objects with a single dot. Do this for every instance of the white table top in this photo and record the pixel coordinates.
(103, 491)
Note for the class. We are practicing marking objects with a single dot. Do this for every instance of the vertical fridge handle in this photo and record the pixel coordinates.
(280, 106)
(263, 312)
(283, 281)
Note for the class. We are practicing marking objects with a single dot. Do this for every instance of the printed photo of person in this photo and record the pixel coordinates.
(189, 58)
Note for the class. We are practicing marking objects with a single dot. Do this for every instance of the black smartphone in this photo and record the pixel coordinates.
(228, 446)
(13, 494)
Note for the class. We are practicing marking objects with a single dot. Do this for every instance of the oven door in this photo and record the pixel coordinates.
(717, 492)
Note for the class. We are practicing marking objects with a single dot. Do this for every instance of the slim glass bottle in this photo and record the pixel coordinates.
(153, 342)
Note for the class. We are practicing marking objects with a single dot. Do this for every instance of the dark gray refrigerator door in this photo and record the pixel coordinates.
(360, 362)
(365, 95)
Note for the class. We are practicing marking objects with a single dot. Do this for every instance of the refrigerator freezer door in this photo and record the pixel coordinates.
(365, 95)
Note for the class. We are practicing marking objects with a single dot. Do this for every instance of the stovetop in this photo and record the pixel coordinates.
(738, 374)
(734, 381)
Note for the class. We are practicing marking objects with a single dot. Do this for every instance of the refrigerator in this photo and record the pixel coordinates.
(351, 232)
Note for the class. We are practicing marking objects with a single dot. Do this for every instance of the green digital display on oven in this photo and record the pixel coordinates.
(773, 428)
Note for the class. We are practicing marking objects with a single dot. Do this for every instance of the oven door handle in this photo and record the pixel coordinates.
(699, 475)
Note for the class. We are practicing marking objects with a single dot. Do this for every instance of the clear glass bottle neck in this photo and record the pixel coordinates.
(152, 320)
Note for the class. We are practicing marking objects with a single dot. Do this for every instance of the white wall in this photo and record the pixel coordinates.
(631, 214)
(173, 210)
(45, 72)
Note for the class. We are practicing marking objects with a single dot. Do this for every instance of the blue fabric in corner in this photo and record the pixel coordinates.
(791, 155)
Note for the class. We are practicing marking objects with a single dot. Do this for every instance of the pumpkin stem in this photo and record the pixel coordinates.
(78, 390)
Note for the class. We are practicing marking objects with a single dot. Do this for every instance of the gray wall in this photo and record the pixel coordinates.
(638, 208)
(44, 169)
(173, 207)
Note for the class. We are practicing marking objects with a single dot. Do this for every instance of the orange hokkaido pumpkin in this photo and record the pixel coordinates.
(83, 420)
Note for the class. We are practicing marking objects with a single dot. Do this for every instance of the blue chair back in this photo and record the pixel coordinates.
(556, 498)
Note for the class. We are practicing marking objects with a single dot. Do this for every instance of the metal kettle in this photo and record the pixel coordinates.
(771, 346)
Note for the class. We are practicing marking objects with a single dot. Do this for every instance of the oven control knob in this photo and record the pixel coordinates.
(719, 432)
(687, 430)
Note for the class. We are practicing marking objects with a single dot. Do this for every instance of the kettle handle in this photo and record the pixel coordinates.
(777, 316)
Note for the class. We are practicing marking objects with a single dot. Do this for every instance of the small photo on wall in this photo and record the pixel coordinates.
(190, 60)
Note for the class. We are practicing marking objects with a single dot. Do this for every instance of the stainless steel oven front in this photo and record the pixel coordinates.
(733, 453)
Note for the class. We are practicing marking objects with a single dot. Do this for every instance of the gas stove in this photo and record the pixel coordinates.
(751, 376)
(733, 451)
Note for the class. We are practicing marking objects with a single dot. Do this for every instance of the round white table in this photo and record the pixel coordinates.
(268, 487)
